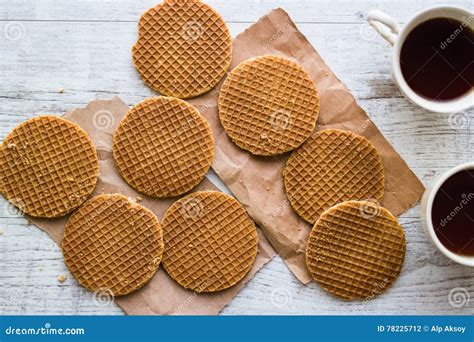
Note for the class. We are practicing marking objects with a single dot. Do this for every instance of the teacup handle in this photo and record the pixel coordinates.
(384, 24)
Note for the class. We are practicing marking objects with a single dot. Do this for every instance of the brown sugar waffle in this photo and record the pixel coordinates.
(163, 147)
(112, 244)
(48, 166)
(356, 250)
(183, 49)
(332, 166)
(210, 241)
(268, 105)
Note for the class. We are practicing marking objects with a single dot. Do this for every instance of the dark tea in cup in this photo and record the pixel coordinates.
(432, 56)
(436, 58)
(453, 213)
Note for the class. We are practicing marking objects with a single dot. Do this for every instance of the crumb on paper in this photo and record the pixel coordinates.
(62, 278)
(1, 231)
(327, 73)
(61, 90)
(138, 199)
(268, 188)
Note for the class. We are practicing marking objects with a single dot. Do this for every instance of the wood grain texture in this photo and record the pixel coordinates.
(84, 47)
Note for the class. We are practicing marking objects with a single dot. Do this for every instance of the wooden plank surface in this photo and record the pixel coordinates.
(84, 47)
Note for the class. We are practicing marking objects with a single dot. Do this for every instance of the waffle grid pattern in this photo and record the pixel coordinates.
(268, 105)
(163, 147)
(48, 166)
(332, 166)
(183, 49)
(112, 244)
(355, 256)
(213, 249)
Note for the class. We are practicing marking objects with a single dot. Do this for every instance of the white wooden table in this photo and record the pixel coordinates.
(84, 47)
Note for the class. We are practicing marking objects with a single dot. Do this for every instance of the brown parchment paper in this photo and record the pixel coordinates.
(161, 295)
(257, 182)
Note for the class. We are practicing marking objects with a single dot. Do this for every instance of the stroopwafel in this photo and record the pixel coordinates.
(163, 147)
(268, 105)
(112, 244)
(356, 250)
(210, 241)
(48, 166)
(332, 166)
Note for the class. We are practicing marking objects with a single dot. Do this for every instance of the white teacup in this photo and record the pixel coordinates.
(426, 215)
(391, 32)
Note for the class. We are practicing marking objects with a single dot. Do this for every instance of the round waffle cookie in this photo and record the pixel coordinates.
(211, 242)
(268, 105)
(183, 49)
(332, 166)
(356, 250)
(48, 166)
(112, 244)
(163, 147)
